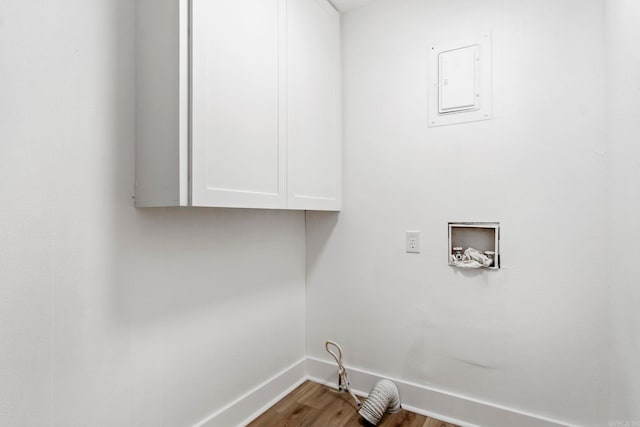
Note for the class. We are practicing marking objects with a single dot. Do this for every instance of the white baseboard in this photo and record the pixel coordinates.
(248, 407)
(445, 406)
(442, 405)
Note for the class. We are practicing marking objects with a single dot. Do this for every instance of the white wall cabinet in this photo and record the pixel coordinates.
(238, 104)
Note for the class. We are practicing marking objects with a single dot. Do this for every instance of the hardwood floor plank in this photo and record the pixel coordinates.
(289, 400)
(336, 413)
(269, 418)
(436, 423)
(315, 405)
(302, 415)
(320, 397)
(402, 419)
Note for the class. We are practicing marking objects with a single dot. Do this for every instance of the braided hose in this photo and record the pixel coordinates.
(383, 397)
(343, 383)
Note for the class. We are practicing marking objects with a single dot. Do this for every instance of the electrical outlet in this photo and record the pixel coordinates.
(412, 242)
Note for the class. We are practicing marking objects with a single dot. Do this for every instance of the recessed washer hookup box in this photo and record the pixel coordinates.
(483, 236)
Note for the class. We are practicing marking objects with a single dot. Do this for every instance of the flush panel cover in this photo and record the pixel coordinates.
(459, 76)
(458, 79)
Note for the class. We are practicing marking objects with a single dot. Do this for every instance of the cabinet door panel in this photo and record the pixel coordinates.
(238, 151)
(313, 106)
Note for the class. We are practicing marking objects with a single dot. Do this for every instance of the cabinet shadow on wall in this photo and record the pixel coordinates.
(173, 261)
(319, 227)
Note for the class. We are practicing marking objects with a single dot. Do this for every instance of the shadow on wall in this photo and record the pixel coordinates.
(175, 259)
(319, 227)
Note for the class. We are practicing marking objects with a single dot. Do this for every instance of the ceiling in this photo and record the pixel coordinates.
(347, 5)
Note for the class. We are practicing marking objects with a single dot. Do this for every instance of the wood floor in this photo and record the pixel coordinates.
(313, 404)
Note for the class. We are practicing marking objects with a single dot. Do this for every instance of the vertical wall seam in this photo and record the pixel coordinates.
(52, 324)
(306, 281)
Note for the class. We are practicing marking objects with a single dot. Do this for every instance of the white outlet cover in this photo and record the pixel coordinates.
(412, 242)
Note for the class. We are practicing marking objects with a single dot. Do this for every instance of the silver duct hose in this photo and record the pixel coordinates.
(383, 397)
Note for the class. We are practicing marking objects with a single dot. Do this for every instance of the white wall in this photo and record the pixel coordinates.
(111, 315)
(533, 335)
(623, 110)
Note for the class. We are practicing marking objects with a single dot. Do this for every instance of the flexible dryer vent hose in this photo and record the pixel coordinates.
(383, 397)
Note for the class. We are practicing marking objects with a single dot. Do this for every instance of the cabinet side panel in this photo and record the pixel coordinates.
(157, 103)
(314, 106)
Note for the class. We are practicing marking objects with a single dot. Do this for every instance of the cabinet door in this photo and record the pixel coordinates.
(313, 106)
(238, 144)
